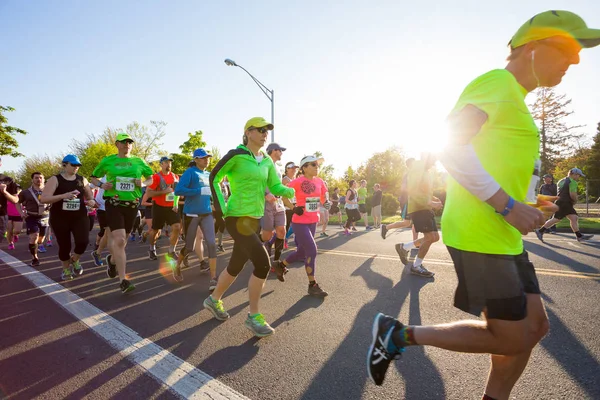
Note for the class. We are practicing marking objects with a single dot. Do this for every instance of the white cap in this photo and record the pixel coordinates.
(311, 158)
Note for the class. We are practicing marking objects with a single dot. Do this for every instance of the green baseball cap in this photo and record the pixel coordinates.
(123, 136)
(258, 122)
(556, 23)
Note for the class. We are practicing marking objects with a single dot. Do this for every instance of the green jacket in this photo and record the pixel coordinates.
(248, 180)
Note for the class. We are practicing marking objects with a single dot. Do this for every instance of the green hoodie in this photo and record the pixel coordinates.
(248, 180)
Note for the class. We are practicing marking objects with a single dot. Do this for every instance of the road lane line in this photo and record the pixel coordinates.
(178, 375)
(541, 271)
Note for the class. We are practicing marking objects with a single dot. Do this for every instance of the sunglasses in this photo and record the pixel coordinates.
(73, 165)
(261, 130)
(312, 164)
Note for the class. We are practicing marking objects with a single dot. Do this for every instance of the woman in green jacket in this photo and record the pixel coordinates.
(249, 171)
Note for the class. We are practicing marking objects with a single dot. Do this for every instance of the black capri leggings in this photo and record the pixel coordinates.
(353, 216)
(247, 246)
(63, 228)
(288, 219)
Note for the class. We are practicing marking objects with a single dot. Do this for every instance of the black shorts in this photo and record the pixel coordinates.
(362, 208)
(334, 210)
(101, 214)
(163, 215)
(37, 225)
(498, 283)
(148, 212)
(15, 218)
(424, 221)
(119, 217)
(564, 209)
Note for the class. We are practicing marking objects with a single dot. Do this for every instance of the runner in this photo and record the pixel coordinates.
(310, 192)
(485, 215)
(15, 221)
(195, 186)
(324, 218)
(335, 205)
(290, 174)
(8, 192)
(101, 237)
(70, 193)
(274, 214)
(122, 192)
(147, 204)
(421, 204)
(567, 198)
(549, 188)
(351, 207)
(250, 171)
(362, 204)
(37, 215)
(165, 207)
(405, 222)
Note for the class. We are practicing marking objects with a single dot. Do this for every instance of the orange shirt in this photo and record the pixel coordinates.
(171, 179)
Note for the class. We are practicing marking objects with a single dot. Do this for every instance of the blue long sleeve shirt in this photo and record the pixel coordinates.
(195, 187)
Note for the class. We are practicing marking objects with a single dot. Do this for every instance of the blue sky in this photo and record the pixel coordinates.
(350, 78)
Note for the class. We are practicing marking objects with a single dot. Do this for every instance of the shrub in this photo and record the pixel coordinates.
(389, 204)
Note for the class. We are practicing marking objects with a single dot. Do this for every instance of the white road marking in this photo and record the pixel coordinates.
(178, 375)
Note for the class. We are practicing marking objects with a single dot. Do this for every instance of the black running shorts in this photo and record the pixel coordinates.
(119, 217)
(163, 215)
(564, 209)
(424, 221)
(498, 283)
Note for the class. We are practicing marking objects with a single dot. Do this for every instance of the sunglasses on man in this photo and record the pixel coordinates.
(261, 130)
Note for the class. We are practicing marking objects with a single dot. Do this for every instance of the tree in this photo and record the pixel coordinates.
(8, 141)
(148, 144)
(385, 168)
(592, 165)
(194, 142)
(90, 156)
(557, 138)
(47, 165)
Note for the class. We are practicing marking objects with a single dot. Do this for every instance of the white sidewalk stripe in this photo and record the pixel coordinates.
(178, 375)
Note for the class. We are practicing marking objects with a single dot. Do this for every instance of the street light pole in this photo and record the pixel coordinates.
(268, 92)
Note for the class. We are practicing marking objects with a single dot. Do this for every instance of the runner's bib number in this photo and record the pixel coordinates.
(125, 184)
(71, 205)
(170, 197)
(279, 205)
(205, 191)
(312, 204)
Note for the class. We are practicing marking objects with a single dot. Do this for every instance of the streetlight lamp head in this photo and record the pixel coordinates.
(230, 62)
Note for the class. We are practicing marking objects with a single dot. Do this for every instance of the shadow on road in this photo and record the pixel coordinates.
(549, 253)
(344, 375)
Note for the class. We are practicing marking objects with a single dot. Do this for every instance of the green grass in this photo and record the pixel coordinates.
(584, 223)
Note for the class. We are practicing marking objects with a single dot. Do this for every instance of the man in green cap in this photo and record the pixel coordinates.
(485, 212)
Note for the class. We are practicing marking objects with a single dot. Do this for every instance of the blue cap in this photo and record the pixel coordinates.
(576, 171)
(165, 158)
(201, 153)
(72, 159)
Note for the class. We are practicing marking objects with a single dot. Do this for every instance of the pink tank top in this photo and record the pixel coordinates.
(11, 209)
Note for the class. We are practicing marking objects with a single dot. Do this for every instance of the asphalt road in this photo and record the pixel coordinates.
(319, 348)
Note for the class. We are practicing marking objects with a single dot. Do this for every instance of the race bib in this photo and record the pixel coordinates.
(312, 204)
(533, 183)
(279, 205)
(125, 184)
(45, 221)
(71, 205)
(170, 197)
(205, 191)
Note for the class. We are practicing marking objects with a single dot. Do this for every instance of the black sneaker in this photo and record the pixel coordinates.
(402, 253)
(35, 262)
(421, 271)
(382, 350)
(539, 235)
(126, 286)
(280, 270)
(177, 275)
(383, 231)
(584, 238)
(152, 255)
(204, 266)
(315, 290)
(111, 269)
(220, 249)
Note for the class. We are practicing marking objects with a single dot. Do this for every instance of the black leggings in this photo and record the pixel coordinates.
(247, 246)
(79, 227)
(353, 216)
(288, 219)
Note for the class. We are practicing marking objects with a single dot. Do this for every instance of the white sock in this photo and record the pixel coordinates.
(171, 248)
(418, 262)
(409, 245)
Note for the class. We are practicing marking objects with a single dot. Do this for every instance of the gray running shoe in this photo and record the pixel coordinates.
(111, 269)
(280, 270)
(126, 286)
(66, 275)
(212, 285)
(204, 266)
(152, 255)
(77, 268)
(258, 326)
(402, 253)
(383, 231)
(315, 290)
(584, 238)
(421, 271)
(177, 275)
(216, 308)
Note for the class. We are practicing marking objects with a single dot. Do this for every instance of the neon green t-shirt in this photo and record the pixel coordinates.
(362, 195)
(508, 148)
(420, 187)
(122, 173)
